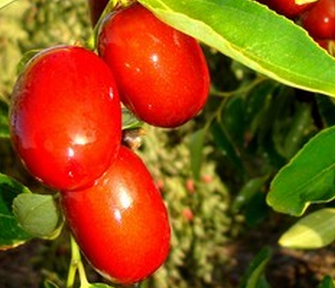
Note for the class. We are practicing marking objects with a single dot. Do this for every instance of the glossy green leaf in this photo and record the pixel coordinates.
(316, 230)
(255, 36)
(4, 121)
(196, 150)
(4, 3)
(37, 214)
(254, 276)
(11, 234)
(308, 178)
(327, 282)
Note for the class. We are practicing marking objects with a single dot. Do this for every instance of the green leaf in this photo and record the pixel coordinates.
(254, 276)
(248, 191)
(326, 107)
(196, 147)
(4, 3)
(255, 36)
(50, 284)
(4, 121)
(129, 121)
(37, 214)
(11, 233)
(316, 230)
(226, 144)
(98, 285)
(327, 282)
(308, 178)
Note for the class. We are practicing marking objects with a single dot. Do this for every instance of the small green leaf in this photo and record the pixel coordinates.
(327, 282)
(129, 121)
(316, 230)
(254, 276)
(255, 36)
(11, 234)
(308, 178)
(37, 214)
(196, 147)
(25, 59)
(4, 121)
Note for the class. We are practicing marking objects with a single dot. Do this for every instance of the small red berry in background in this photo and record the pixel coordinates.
(287, 8)
(120, 223)
(66, 117)
(161, 73)
(319, 21)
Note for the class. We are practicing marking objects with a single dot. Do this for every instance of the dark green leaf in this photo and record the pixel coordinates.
(254, 276)
(255, 36)
(316, 230)
(37, 214)
(326, 108)
(248, 191)
(308, 178)
(11, 233)
(225, 143)
(233, 119)
(4, 121)
(327, 282)
(196, 147)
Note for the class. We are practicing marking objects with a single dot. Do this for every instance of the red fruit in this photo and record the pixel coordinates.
(120, 223)
(66, 117)
(96, 7)
(319, 21)
(161, 73)
(287, 8)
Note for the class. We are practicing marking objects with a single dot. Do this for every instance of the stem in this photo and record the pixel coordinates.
(74, 264)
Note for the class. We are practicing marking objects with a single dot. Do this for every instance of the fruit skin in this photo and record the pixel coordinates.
(287, 8)
(319, 21)
(65, 117)
(121, 223)
(96, 7)
(161, 73)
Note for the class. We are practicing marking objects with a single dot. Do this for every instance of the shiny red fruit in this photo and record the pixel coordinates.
(320, 20)
(96, 7)
(121, 223)
(161, 73)
(65, 117)
(287, 8)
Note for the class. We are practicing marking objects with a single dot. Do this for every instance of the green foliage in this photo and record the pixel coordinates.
(37, 214)
(308, 178)
(254, 277)
(315, 230)
(327, 282)
(11, 234)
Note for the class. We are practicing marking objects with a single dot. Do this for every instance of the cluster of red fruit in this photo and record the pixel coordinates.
(318, 18)
(66, 126)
